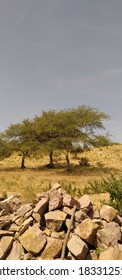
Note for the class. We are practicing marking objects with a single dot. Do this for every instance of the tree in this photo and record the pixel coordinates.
(101, 141)
(55, 130)
(21, 138)
(59, 130)
(5, 149)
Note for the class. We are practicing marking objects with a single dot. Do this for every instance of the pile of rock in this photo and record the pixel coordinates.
(38, 230)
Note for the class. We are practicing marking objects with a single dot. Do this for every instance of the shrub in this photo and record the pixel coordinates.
(84, 161)
(72, 190)
(112, 185)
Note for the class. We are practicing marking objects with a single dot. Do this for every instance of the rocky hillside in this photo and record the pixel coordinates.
(58, 226)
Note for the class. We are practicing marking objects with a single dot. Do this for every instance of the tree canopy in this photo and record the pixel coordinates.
(56, 130)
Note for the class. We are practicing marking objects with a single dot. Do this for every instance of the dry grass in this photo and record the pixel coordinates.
(26, 184)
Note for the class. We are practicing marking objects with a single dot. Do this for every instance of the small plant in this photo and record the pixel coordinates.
(4, 195)
(99, 250)
(84, 161)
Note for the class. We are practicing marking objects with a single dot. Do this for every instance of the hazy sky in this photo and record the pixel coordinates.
(60, 54)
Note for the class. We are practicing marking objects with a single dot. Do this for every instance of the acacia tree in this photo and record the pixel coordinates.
(61, 129)
(20, 137)
(55, 130)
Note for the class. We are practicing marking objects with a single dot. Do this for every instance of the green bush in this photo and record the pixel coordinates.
(84, 161)
(111, 185)
(72, 190)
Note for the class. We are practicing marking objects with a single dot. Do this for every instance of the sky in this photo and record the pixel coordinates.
(59, 54)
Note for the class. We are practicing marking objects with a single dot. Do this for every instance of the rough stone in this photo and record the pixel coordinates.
(37, 217)
(55, 200)
(26, 225)
(69, 201)
(87, 230)
(108, 213)
(33, 240)
(108, 236)
(42, 195)
(56, 186)
(77, 247)
(19, 221)
(59, 235)
(47, 231)
(54, 219)
(28, 214)
(80, 216)
(85, 203)
(52, 249)
(16, 252)
(10, 204)
(41, 207)
(6, 232)
(94, 213)
(67, 223)
(14, 228)
(112, 253)
(118, 219)
(5, 245)
(67, 210)
(38, 233)
(24, 209)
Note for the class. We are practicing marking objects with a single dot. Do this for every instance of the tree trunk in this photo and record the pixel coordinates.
(23, 162)
(67, 160)
(51, 164)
